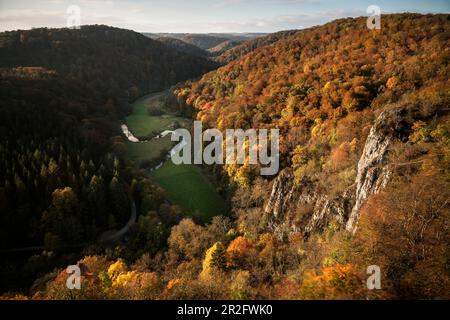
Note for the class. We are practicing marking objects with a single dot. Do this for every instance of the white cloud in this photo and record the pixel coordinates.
(268, 24)
(225, 3)
(131, 16)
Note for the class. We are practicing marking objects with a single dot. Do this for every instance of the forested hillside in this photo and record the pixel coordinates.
(314, 84)
(223, 47)
(106, 59)
(63, 178)
(365, 173)
(183, 46)
(364, 123)
(204, 42)
(238, 51)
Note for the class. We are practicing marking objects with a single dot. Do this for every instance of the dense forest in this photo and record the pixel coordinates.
(317, 84)
(340, 94)
(222, 48)
(63, 179)
(365, 157)
(183, 46)
(238, 51)
(204, 42)
(108, 60)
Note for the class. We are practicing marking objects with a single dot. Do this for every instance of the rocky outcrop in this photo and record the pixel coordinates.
(374, 170)
(282, 194)
(286, 197)
(372, 176)
(327, 209)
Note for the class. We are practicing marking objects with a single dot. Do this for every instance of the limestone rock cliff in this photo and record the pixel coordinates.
(373, 175)
(286, 198)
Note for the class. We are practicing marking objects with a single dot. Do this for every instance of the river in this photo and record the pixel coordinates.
(132, 138)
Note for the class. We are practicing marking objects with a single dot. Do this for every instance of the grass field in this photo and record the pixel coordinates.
(150, 150)
(187, 187)
(142, 124)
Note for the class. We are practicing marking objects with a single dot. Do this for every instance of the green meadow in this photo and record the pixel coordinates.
(151, 150)
(143, 124)
(185, 185)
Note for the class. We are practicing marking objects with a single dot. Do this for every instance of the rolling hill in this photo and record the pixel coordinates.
(238, 50)
(105, 58)
(364, 149)
(182, 46)
(64, 179)
(364, 176)
(223, 47)
(215, 43)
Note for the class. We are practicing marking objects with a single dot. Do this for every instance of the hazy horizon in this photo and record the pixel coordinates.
(200, 16)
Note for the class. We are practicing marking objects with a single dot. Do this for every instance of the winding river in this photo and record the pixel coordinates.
(132, 138)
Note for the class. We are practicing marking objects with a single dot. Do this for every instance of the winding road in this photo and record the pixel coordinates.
(111, 235)
(106, 237)
(116, 236)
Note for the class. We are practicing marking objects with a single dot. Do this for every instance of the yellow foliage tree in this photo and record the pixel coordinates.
(334, 282)
(214, 260)
(116, 269)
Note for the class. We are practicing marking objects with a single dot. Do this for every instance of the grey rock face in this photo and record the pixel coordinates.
(372, 176)
(326, 209)
(373, 172)
(281, 195)
(285, 197)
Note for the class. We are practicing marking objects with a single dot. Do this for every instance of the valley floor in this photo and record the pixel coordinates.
(185, 185)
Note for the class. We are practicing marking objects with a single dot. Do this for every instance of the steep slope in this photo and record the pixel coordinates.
(182, 46)
(365, 136)
(215, 43)
(64, 180)
(239, 51)
(204, 41)
(224, 46)
(61, 95)
(323, 88)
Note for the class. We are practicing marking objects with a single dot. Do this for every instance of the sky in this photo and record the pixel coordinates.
(201, 16)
